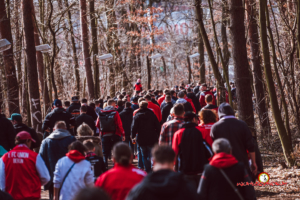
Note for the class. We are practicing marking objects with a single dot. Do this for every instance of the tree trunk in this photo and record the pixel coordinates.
(148, 73)
(257, 70)
(240, 60)
(189, 69)
(285, 142)
(85, 49)
(32, 74)
(8, 57)
(95, 48)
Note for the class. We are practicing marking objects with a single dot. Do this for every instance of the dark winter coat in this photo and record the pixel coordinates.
(127, 117)
(53, 148)
(7, 133)
(5, 196)
(195, 101)
(22, 127)
(120, 109)
(196, 89)
(86, 119)
(165, 111)
(145, 126)
(163, 185)
(57, 114)
(187, 106)
(214, 186)
(74, 109)
(91, 112)
(236, 131)
(134, 106)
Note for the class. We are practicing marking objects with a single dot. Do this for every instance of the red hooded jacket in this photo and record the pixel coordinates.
(202, 98)
(205, 130)
(119, 126)
(118, 181)
(223, 160)
(156, 110)
(191, 102)
(161, 99)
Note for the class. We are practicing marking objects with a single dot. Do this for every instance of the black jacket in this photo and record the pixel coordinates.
(146, 125)
(187, 107)
(86, 119)
(91, 112)
(196, 101)
(155, 102)
(165, 111)
(5, 196)
(196, 89)
(236, 131)
(97, 163)
(120, 109)
(7, 133)
(57, 114)
(126, 118)
(163, 185)
(74, 109)
(214, 186)
(31, 131)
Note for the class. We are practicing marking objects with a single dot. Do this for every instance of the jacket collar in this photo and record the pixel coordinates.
(223, 160)
(75, 156)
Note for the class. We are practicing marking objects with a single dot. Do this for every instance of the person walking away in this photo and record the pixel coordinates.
(238, 134)
(57, 114)
(189, 100)
(138, 86)
(120, 104)
(7, 133)
(126, 118)
(84, 118)
(153, 99)
(72, 173)
(154, 107)
(54, 147)
(98, 108)
(66, 105)
(165, 110)
(86, 133)
(74, 108)
(169, 128)
(135, 104)
(204, 92)
(207, 119)
(197, 88)
(16, 120)
(22, 171)
(90, 110)
(209, 104)
(214, 184)
(145, 131)
(195, 100)
(98, 166)
(181, 99)
(163, 183)
(118, 181)
(162, 98)
(174, 95)
(111, 129)
(190, 147)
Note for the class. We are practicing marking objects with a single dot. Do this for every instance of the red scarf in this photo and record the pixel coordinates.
(223, 160)
(75, 156)
(90, 154)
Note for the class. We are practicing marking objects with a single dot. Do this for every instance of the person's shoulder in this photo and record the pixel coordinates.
(138, 171)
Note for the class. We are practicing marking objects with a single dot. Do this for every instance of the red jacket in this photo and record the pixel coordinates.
(178, 135)
(119, 129)
(161, 99)
(156, 110)
(23, 172)
(138, 87)
(202, 98)
(118, 181)
(191, 102)
(205, 130)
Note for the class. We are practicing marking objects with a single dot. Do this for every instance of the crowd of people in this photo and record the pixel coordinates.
(186, 147)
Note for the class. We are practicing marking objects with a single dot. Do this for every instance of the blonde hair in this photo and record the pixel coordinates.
(84, 130)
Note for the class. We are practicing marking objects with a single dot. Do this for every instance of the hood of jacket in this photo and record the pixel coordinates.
(181, 101)
(20, 126)
(223, 160)
(225, 110)
(109, 108)
(164, 183)
(59, 134)
(75, 156)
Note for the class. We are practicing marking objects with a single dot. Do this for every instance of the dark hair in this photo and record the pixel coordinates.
(208, 98)
(77, 145)
(97, 103)
(172, 92)
(93, 105)
(143, 104)
(127, 105)
(92, 193)
(120, 103)
(101, 101)
(168, 98)
(166, 91)
(67, 103)
(155, 93)
(89, 144)
(83, 108)
(124, 93)
(121, 96)
(122, 154)
(110, 102)
(163, 154)
(147, 97)
(18, 141)
(208, 116)
(83, 100)
(178, 109)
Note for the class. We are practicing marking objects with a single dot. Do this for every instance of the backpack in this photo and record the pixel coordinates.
(107, 122)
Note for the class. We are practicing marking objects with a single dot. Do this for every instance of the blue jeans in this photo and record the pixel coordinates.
(108, 143)
(140, 158)
(146, 154)
(129, 142)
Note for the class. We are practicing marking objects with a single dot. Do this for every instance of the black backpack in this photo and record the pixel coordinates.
(107, 122)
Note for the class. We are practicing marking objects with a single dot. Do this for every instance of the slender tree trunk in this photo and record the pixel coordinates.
(10, 71)
(257, 70)
(32, 74)
(189, 69)
(85, 48)
(148, 73)
(285, 142)
(95, 48)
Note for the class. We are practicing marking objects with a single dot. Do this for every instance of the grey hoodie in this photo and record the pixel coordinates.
(59, 134)
(181, 101)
